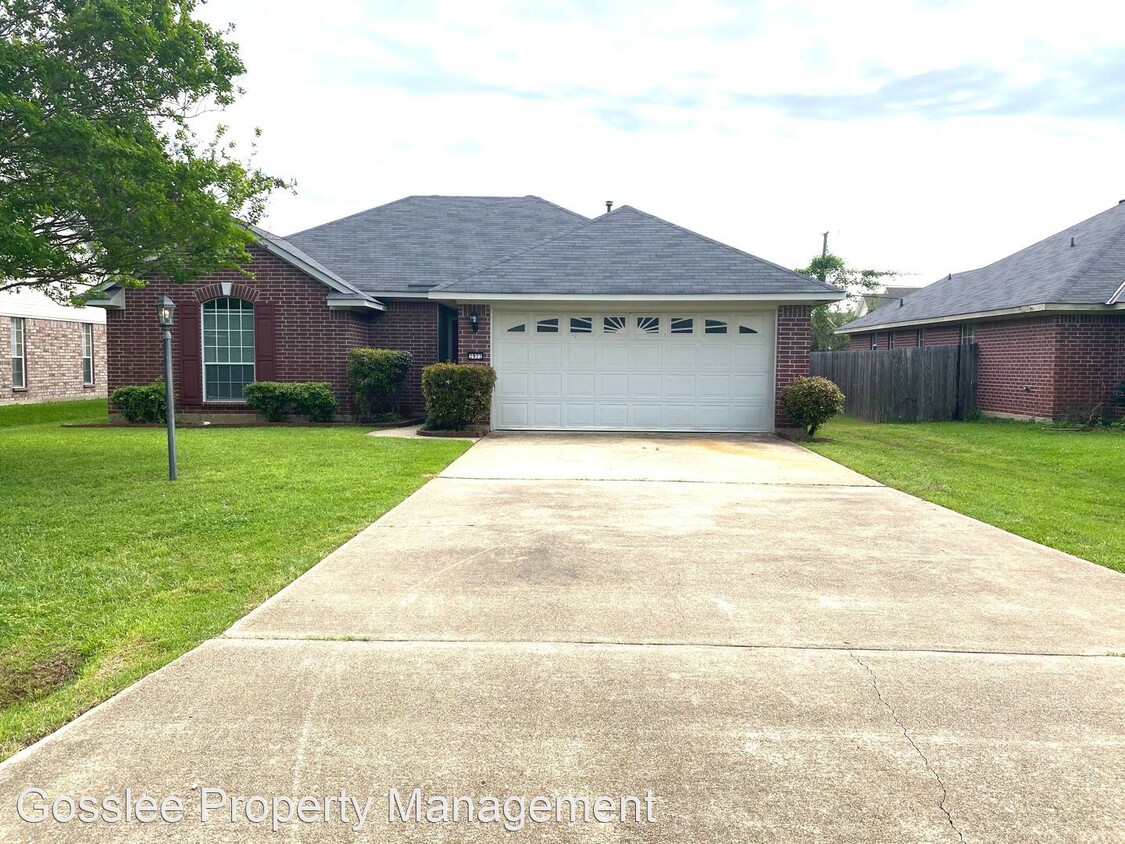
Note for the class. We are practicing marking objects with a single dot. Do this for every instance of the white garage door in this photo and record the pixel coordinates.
(613, 371)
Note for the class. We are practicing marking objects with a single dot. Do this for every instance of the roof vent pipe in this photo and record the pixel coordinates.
(608, 205)
(1072, 241)
(900, 303)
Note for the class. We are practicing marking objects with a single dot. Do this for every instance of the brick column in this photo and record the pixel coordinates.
(794, 338)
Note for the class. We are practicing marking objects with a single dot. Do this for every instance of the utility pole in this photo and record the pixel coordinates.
(824, 254)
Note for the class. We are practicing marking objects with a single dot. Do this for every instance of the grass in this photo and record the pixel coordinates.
(1058, 488)
(109, 571)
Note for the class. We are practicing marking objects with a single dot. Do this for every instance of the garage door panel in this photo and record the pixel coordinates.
(547, 414)
(679, 386)
(678, 355)
(647, 355)
(580, 384)
(632, 379)
(546, 385)
(509, 356)
(679, 417)
(613, 385)
(647, 416)
(512, 384)
(646, 385)
(546, 354)
(582, 355)
(713, 387)
(613, 355)
(512, 414)
(612, 415)
(580, 416)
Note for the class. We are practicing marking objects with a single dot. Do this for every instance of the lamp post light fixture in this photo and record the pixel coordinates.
(165, 310)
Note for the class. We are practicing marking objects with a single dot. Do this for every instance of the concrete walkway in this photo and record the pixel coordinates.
(779, 648)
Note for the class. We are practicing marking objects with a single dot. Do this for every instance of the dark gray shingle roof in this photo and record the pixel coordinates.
(1051, 272)
(416, 243)
(628, 252)
(304, 262)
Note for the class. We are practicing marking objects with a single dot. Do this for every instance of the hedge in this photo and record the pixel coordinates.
(275, 400)
(457, 395)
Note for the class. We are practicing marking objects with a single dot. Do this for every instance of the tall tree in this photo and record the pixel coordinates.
(826, 319)
(101, 174)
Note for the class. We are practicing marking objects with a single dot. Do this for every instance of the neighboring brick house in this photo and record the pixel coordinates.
(54, 352)
(1049, 322)
(622, 322)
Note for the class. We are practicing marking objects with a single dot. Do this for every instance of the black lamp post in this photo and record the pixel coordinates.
(165, 310)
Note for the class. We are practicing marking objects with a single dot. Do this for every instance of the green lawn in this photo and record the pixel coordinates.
(108, 570)
(1059, 488)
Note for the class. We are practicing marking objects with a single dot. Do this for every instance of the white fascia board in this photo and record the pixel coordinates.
(978, 316)
(392, 294)
(354, 303)
(1116, 297)
(780, 298)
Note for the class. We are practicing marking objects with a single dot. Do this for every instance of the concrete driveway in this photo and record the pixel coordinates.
(778, 648)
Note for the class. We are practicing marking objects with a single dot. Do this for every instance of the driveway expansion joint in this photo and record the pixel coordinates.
(943, 803)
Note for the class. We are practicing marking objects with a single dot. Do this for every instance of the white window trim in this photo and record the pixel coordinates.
(87, 333)
(22, 356)
(203, 355)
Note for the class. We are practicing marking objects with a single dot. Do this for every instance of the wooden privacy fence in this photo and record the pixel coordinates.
(927, 384)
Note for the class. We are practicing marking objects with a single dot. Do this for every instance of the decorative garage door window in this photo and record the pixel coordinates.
(714, 326)
(683, 325)
(228, 349)
(548, 326)
(581, 325)
(613, 324)
(648, 324)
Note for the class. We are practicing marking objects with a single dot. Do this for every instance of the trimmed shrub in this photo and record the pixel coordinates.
(275, 400)
(269, 398)
(810, 402)
(141, 403)
(457, 395)
(313, 399)
(375, 378)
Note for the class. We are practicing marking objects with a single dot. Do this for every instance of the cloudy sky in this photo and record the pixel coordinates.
(926, 137)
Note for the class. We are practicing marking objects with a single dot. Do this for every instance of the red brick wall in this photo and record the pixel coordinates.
(410, 325)
(1016, 372)
(1089, 361)
(52, 360)
(794, 337)
(481, 340)
(312, 341)
(943, 335)
(906, 338)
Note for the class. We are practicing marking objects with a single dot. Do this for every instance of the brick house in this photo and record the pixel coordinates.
(620, 322)
(55, 352)
(1049, 322)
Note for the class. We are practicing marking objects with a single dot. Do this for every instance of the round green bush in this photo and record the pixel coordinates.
(457, 395)
(810, 402)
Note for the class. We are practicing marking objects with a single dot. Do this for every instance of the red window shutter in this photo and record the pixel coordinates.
(265, 344)
(191, 355)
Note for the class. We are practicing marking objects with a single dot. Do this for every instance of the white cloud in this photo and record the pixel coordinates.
(926, 137)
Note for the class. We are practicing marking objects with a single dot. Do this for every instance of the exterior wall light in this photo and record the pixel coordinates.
(474, 321)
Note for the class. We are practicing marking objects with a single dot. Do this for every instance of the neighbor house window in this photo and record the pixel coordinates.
(87, 354)
(875, 340)
(228, 349)
(921, 337)
(968, 334)
(19, 355)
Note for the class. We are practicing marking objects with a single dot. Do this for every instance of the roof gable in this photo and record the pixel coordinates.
(414, 244)
(1050, 272)
(628, 252)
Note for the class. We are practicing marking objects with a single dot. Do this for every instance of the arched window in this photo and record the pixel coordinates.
(228, 349)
